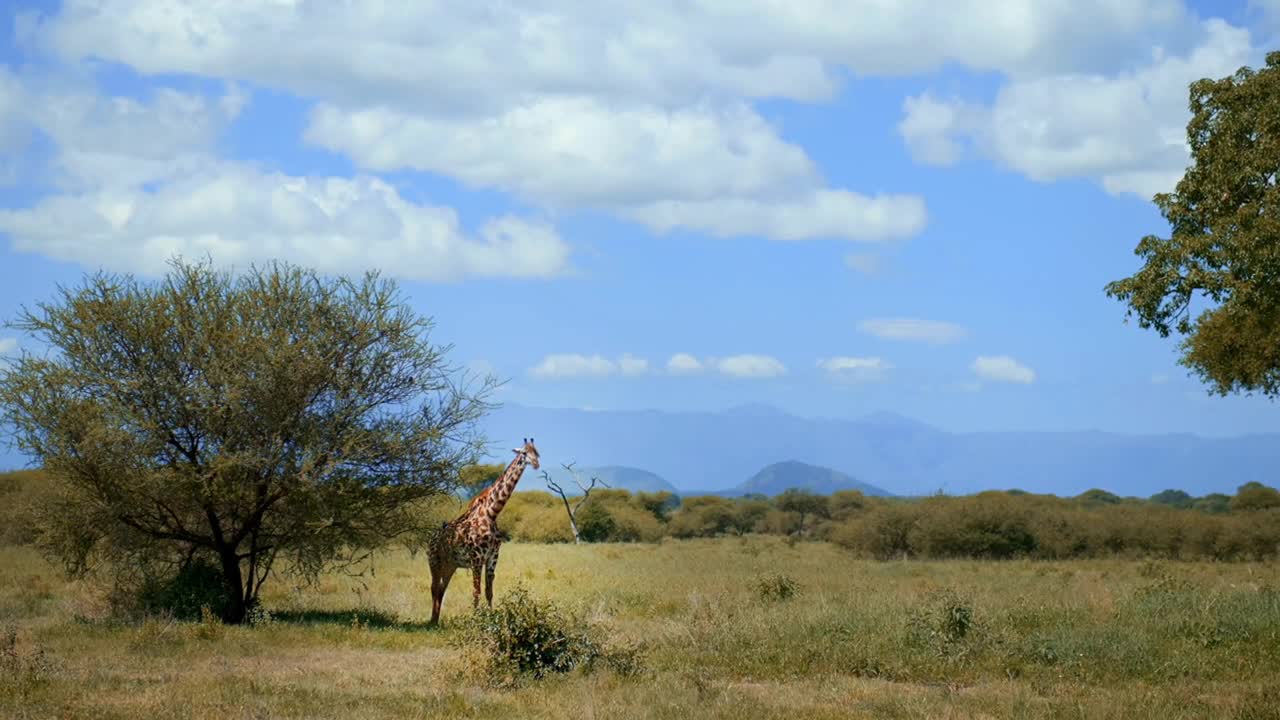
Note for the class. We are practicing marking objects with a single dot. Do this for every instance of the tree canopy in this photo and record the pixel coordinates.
(1224, 242)
(238, 419)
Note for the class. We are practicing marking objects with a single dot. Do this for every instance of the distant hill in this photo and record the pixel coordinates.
(628, 478)
(781, 476)
(714, 451)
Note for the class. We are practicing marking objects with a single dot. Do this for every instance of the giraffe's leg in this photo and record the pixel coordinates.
(440, 578)
(477, 568)
(490, 568)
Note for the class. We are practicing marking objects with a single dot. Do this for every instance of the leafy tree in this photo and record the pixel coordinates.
(703, 516)
(1224, 243)
(273, 415)
(659, 504)
(1174, 498)
(1212, 503)
(472, 479)
(804, 504)
(1255, 496)
(1096, 496)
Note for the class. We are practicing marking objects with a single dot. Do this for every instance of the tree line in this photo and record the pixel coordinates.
(987, 525)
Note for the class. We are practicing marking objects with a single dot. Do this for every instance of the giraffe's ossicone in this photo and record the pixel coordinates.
(472, 540)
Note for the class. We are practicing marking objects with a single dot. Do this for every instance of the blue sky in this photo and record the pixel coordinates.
(808, 204)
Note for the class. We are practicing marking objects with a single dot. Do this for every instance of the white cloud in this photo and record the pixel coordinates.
(139, 184)
(630, 365)
(683, 364)
(865, 264)
(1159, 378)
(856, 369)
(665, 51)
(1002, 368)
(822, 214)
(8, 345)
(750, 366)
(1126, 130)
(570, 365)
(238, 215)
(929, 127)
(566, 365)
(930, 331)
(722, 169)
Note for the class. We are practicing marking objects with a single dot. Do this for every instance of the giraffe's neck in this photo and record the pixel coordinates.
(504, 486)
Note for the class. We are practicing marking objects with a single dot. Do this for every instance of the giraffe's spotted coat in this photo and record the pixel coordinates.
(472, 541)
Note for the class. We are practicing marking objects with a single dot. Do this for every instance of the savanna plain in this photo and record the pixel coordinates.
(733, 627)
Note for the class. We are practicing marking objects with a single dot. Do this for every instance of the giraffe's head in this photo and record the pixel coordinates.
(529, 452)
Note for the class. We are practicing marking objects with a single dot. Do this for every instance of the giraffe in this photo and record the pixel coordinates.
(471, 540)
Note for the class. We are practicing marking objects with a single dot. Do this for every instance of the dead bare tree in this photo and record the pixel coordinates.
(572, 508)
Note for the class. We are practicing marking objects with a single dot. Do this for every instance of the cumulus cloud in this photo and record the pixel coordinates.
(1002, 368)
(856, 369)
(630, 365)
(750, 366)
(665, 51)
(8, 345)
(822, 214)
(738, 366)
(683, 364)
(912, 329)
(138, 184)
(238, 215)
(1125, 130)
(571, 365)
(566, 365)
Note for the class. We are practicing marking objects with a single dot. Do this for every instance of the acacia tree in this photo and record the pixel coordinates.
(1224, 242)
(246, 419)
(571, 509)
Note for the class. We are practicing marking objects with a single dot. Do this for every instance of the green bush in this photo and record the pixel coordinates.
(776, 587)
(188, 594)
(523, 636)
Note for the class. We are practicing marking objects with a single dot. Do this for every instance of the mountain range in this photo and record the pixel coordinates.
(718, 451)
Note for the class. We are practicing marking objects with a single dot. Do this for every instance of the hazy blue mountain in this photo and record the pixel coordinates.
(718, 450)
(627, 478)
(779, 477)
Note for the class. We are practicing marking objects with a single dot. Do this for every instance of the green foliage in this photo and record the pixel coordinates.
(22, 493)
(990, 525)
(804, 504)
(531, 637)
(474, 478)
(705, 516)
(1255, 496)
(1212, 503)
(942, 622)
(196, 589)
(1224, 218)
(1173, 498)
(776, 587)
(1098, 497)
(272, 415)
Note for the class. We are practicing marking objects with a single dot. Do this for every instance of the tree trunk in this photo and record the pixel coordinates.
(237, 604)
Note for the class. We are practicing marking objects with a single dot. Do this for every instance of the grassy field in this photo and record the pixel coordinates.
(1106, 639)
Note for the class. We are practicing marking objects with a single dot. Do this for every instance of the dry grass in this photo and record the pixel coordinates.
(857, 639)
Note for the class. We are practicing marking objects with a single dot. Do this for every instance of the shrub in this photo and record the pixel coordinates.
(523, 636)
(993, 527)
(190, 594)
(776, 587)
(21, 672)
(942, 623)
(882, 533)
